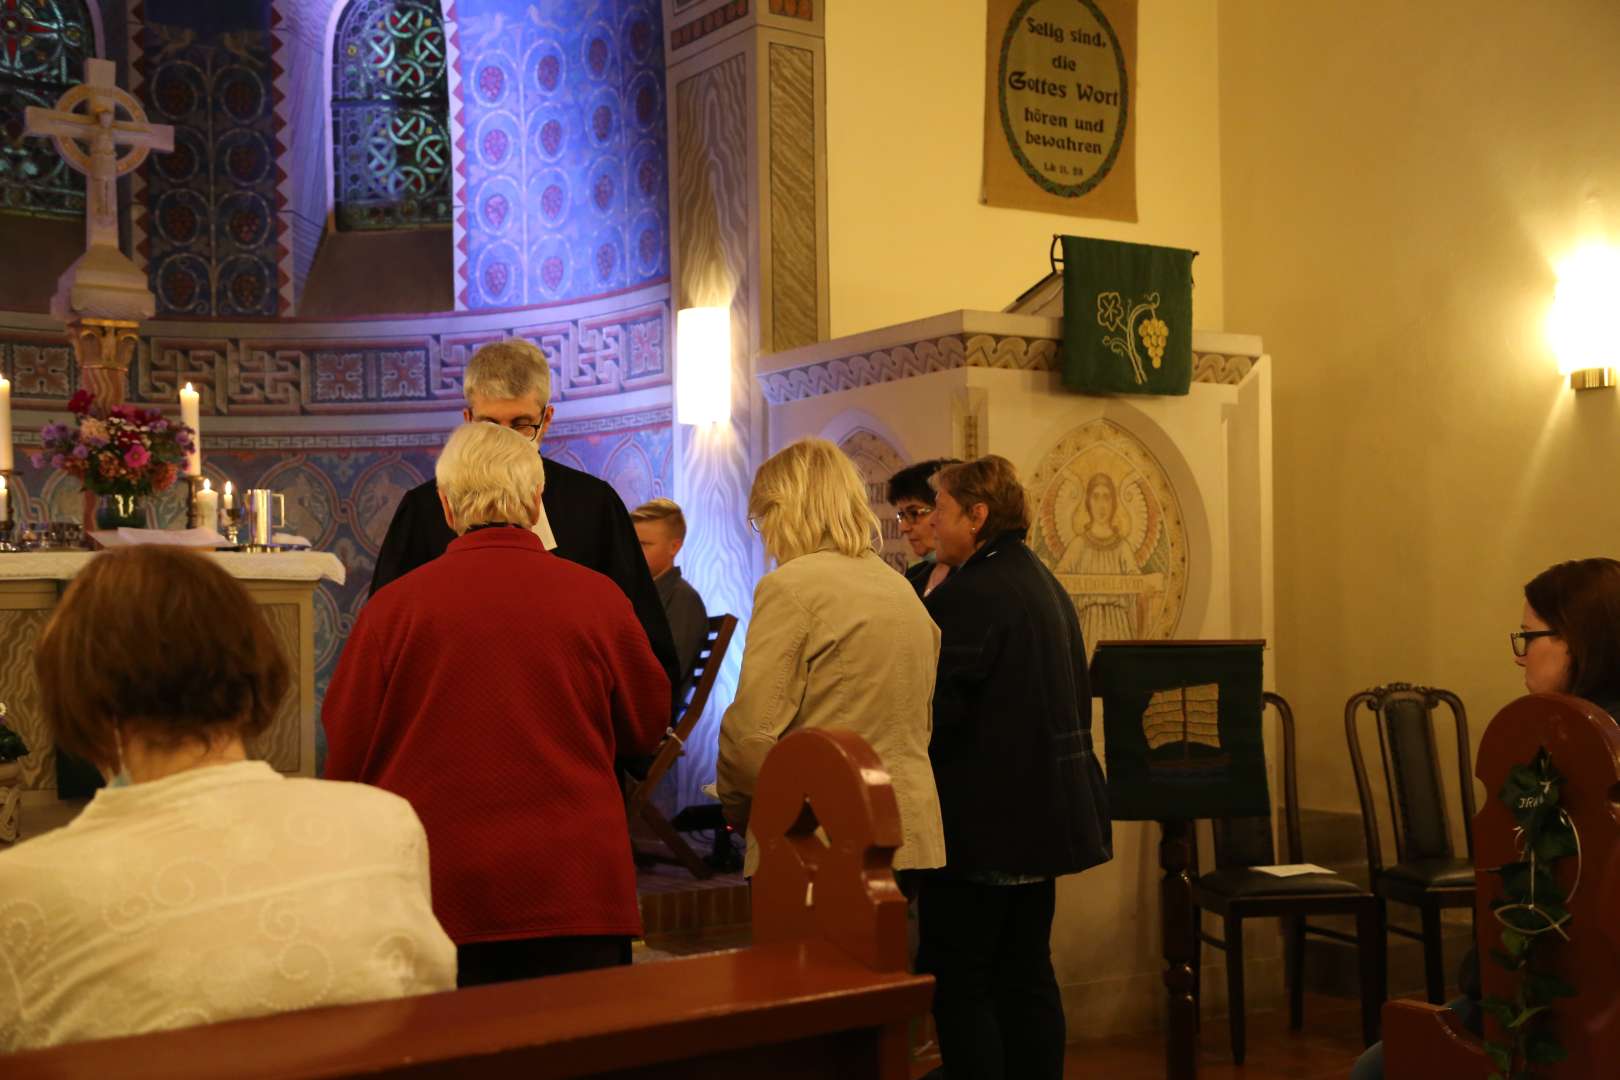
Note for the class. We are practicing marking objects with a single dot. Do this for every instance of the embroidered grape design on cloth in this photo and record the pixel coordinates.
(1154, 334)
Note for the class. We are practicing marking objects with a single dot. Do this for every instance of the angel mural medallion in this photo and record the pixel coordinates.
(1109, 525)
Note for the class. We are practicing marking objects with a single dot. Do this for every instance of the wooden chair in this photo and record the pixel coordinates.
(638, 794)
(1237, 890)
(1427, 872)
(1426, 1042)
(823, 991)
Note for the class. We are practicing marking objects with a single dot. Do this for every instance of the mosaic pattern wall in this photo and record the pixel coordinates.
(563, 120)
(342, 491)
(212, 242)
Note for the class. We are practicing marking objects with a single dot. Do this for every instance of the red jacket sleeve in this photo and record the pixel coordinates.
(641, 693)
(350, 710)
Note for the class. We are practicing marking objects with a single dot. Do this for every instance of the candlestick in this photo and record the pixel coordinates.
(190, 408)
(5, 500)
(6, 463)
(194, 490)
(228, 517)
(229, 502)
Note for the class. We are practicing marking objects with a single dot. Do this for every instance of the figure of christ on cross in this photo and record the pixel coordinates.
(88, 133)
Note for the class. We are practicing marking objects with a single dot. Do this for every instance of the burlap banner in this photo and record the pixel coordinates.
(1059, 110)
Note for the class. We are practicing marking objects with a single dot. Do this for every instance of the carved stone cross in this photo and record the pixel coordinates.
(103, 295)
(99, 126)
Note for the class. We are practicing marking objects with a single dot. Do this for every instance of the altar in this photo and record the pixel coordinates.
(281, 583)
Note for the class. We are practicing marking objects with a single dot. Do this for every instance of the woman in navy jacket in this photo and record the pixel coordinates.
(1020, 789)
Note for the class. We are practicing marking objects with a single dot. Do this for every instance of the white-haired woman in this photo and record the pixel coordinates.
(837, 639)
(492, 688)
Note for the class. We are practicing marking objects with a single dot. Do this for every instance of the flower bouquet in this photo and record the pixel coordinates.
(125, 453)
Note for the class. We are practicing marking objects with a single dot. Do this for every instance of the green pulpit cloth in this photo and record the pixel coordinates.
(1127, 317)
(1181, 720)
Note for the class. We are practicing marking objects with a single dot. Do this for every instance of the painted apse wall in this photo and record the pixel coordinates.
(1394, 205)
(555, 119)
(908, 237)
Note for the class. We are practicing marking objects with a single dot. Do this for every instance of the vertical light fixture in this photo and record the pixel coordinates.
(1581, 326)
(703, 365)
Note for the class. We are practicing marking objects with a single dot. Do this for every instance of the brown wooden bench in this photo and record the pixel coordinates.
(823, 992)
(1426, 1042)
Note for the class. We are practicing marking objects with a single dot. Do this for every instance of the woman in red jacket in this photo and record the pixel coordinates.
(493, 688)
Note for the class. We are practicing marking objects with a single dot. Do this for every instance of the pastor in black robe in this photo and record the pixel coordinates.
(591, 526)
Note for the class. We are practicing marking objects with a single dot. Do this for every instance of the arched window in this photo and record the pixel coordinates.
(43, 47)
(390, 116)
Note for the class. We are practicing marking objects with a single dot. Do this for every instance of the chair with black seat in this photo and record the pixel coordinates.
(638, 794)
(1427, 872)
(1239, 888)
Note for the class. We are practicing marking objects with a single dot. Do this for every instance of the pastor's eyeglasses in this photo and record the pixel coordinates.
(528, 431)
(1521, 639)
(912, 514)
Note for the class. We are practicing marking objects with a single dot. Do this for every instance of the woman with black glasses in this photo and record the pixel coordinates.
(912, 497)
(1568, 642)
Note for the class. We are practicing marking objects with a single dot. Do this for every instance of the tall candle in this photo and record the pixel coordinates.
(208, 507)
(189, 410)
(230, 503)
(5, 424)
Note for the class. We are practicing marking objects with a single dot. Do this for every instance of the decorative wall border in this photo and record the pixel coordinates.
(396, 366)
(282, 39)
(795, 9)
(458, 172)
(707, 23)
(135, 65)
(1007, 352)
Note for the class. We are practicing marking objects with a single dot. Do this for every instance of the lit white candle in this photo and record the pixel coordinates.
(230, 498)
(5, 424)
(208, 507)
(189, 410)
(5, 499)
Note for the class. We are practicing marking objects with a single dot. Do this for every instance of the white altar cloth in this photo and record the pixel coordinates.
(248, 566)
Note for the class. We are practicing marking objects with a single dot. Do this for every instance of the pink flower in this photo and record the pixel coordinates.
(79, 403)
(137, 456)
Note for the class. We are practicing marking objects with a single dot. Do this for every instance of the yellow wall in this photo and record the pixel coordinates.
(908, 236)
(1398, 179)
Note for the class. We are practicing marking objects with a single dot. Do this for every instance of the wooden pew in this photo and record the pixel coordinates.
(823, 991)
(1424, 1042)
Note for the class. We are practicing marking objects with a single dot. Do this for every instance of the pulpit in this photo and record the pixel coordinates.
(282, 583)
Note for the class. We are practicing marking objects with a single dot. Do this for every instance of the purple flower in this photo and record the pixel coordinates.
(182, 439)
(97, 441)
(57, 461)
(52, 431)
(81, 452)
(137, 456)
(38, 458)
(159, 424)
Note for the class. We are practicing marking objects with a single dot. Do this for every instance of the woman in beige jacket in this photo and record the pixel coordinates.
(837, 639)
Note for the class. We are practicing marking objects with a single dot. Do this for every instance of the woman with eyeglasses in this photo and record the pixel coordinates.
(913, 500)
(837, 639)
(1568, 642)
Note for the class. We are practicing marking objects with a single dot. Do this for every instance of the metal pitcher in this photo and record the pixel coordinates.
(260, 523)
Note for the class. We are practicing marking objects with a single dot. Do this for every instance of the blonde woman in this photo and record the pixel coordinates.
(837, 639)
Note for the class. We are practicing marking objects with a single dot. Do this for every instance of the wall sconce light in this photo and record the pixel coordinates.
(703, 365)
(1581, 326)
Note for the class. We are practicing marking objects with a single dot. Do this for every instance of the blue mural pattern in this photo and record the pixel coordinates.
(566, 178)
(213, 243)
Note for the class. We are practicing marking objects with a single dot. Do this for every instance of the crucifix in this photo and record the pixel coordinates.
(103, 295)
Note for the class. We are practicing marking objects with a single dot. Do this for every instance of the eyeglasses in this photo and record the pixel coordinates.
(912, 514)
(1521, 639)
(528, 431)
(754, 523)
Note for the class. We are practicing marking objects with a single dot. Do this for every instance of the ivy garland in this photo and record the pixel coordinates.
(1534, 916)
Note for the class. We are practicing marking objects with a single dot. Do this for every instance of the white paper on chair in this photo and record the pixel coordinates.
(126, 537)
(1291, 869)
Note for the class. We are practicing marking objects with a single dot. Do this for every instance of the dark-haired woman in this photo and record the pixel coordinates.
(1020, 789)
(199, 886)
(912, 496)
(1568, 642)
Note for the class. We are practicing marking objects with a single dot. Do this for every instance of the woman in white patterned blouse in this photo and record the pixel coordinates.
(199, 886)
